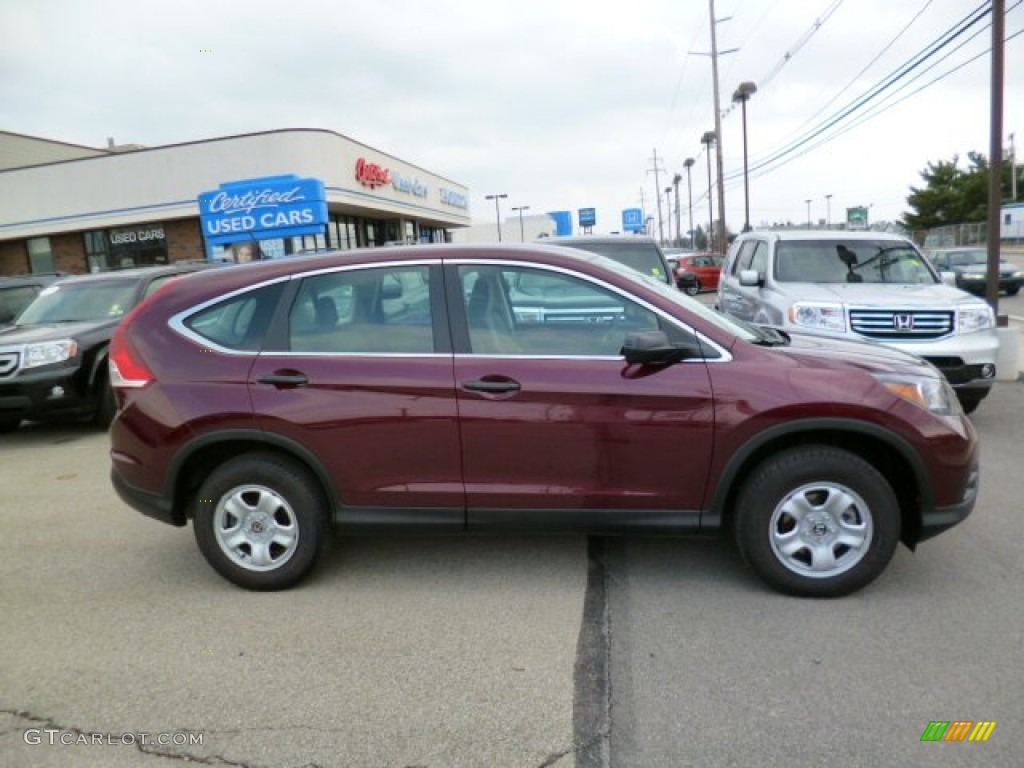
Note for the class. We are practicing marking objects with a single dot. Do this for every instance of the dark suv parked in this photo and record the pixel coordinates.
(483, 388)
(53, 362)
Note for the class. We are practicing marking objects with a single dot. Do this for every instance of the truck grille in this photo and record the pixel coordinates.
(8, 363)
(898, 324)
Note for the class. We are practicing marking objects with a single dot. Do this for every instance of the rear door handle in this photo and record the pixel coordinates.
(284, 380)
(483, 385)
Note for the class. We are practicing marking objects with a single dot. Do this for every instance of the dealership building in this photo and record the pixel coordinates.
(71, 208)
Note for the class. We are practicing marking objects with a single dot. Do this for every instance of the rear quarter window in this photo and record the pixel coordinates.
(240, 322)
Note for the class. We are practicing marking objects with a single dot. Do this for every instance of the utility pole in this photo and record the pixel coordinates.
(657, 193)
(995, 151)
(721, 239)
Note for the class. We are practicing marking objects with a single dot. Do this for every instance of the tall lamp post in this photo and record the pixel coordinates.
(828, 211)
(675, 186)
(497, 210)
(668, 213)
(742, 95)
(688, 164)
(707, 140)
(520, 209)
(808, 213)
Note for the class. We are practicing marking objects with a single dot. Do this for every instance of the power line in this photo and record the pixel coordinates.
(890, 80)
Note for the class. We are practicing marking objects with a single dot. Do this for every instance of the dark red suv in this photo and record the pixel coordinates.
(520, 388)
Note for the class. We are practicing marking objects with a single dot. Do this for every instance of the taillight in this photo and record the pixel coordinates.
(126, 366)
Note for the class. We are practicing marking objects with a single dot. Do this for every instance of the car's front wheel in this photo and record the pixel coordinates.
(692, 289)
(260, 521)
(817, 521)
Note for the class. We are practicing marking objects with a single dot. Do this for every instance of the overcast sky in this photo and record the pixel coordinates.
(560, 104)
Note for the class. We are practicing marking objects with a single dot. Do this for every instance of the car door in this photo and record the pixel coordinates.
(557, 430)
(361, 375)
(743, 301)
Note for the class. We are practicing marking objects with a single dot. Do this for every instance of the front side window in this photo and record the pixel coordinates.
(374, 310)
(527, 311)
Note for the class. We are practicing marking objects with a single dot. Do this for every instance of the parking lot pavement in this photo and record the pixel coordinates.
(398, 652)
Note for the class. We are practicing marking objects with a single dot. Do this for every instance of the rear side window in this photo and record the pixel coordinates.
(240, 322)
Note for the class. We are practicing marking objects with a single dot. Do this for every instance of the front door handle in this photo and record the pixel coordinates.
(484, 385)
(284, 380)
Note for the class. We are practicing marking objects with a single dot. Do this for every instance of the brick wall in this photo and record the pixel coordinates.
(69, 253)
(13, 257)
(184, 240)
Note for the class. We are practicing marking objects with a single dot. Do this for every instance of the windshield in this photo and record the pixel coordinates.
(850, 261)
(84, 301)
(728, 324)
(967, 258)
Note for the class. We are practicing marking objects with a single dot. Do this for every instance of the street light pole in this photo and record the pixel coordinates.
(520, 209)
(828, 211)
(497, 210)
(808, 213)
(688, 164)
(675, 184)
(742, 95)
(707, 140)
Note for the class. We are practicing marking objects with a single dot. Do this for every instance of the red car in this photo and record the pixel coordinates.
(705, 268)
(520, 388)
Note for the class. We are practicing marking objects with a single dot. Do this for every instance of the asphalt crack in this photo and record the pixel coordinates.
(591, 677)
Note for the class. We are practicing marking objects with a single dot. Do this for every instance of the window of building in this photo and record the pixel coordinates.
(40, 256)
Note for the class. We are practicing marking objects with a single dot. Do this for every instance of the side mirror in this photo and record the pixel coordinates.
(750, 278)
(654, 348)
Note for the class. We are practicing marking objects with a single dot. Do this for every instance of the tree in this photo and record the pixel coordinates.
(951, 194)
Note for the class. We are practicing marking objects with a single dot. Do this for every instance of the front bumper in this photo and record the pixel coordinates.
(941, 519)
(54, 391)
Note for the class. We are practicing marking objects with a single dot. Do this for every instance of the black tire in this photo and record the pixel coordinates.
(692, 289)
(807, 558)
(260, 520)
(9, 423)
(106, 406)
(1012, 291)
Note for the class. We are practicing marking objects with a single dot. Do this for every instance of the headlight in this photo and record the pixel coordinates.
(823, 317)
(976, 317)
(50, 352)
(932, 394)
(1018, 275)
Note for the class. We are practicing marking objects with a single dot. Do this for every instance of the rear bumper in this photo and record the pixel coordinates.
(150, 504)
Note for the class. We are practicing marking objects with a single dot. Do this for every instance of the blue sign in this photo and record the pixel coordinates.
(258, 209)
(563, 222)
(633, 220)
(588, 217)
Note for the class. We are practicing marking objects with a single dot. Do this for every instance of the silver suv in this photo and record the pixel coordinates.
(863, 285)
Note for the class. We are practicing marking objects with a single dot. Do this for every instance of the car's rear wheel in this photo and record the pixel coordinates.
(260, 521)
(817, 521)
(9, 423)
(1012, 291)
